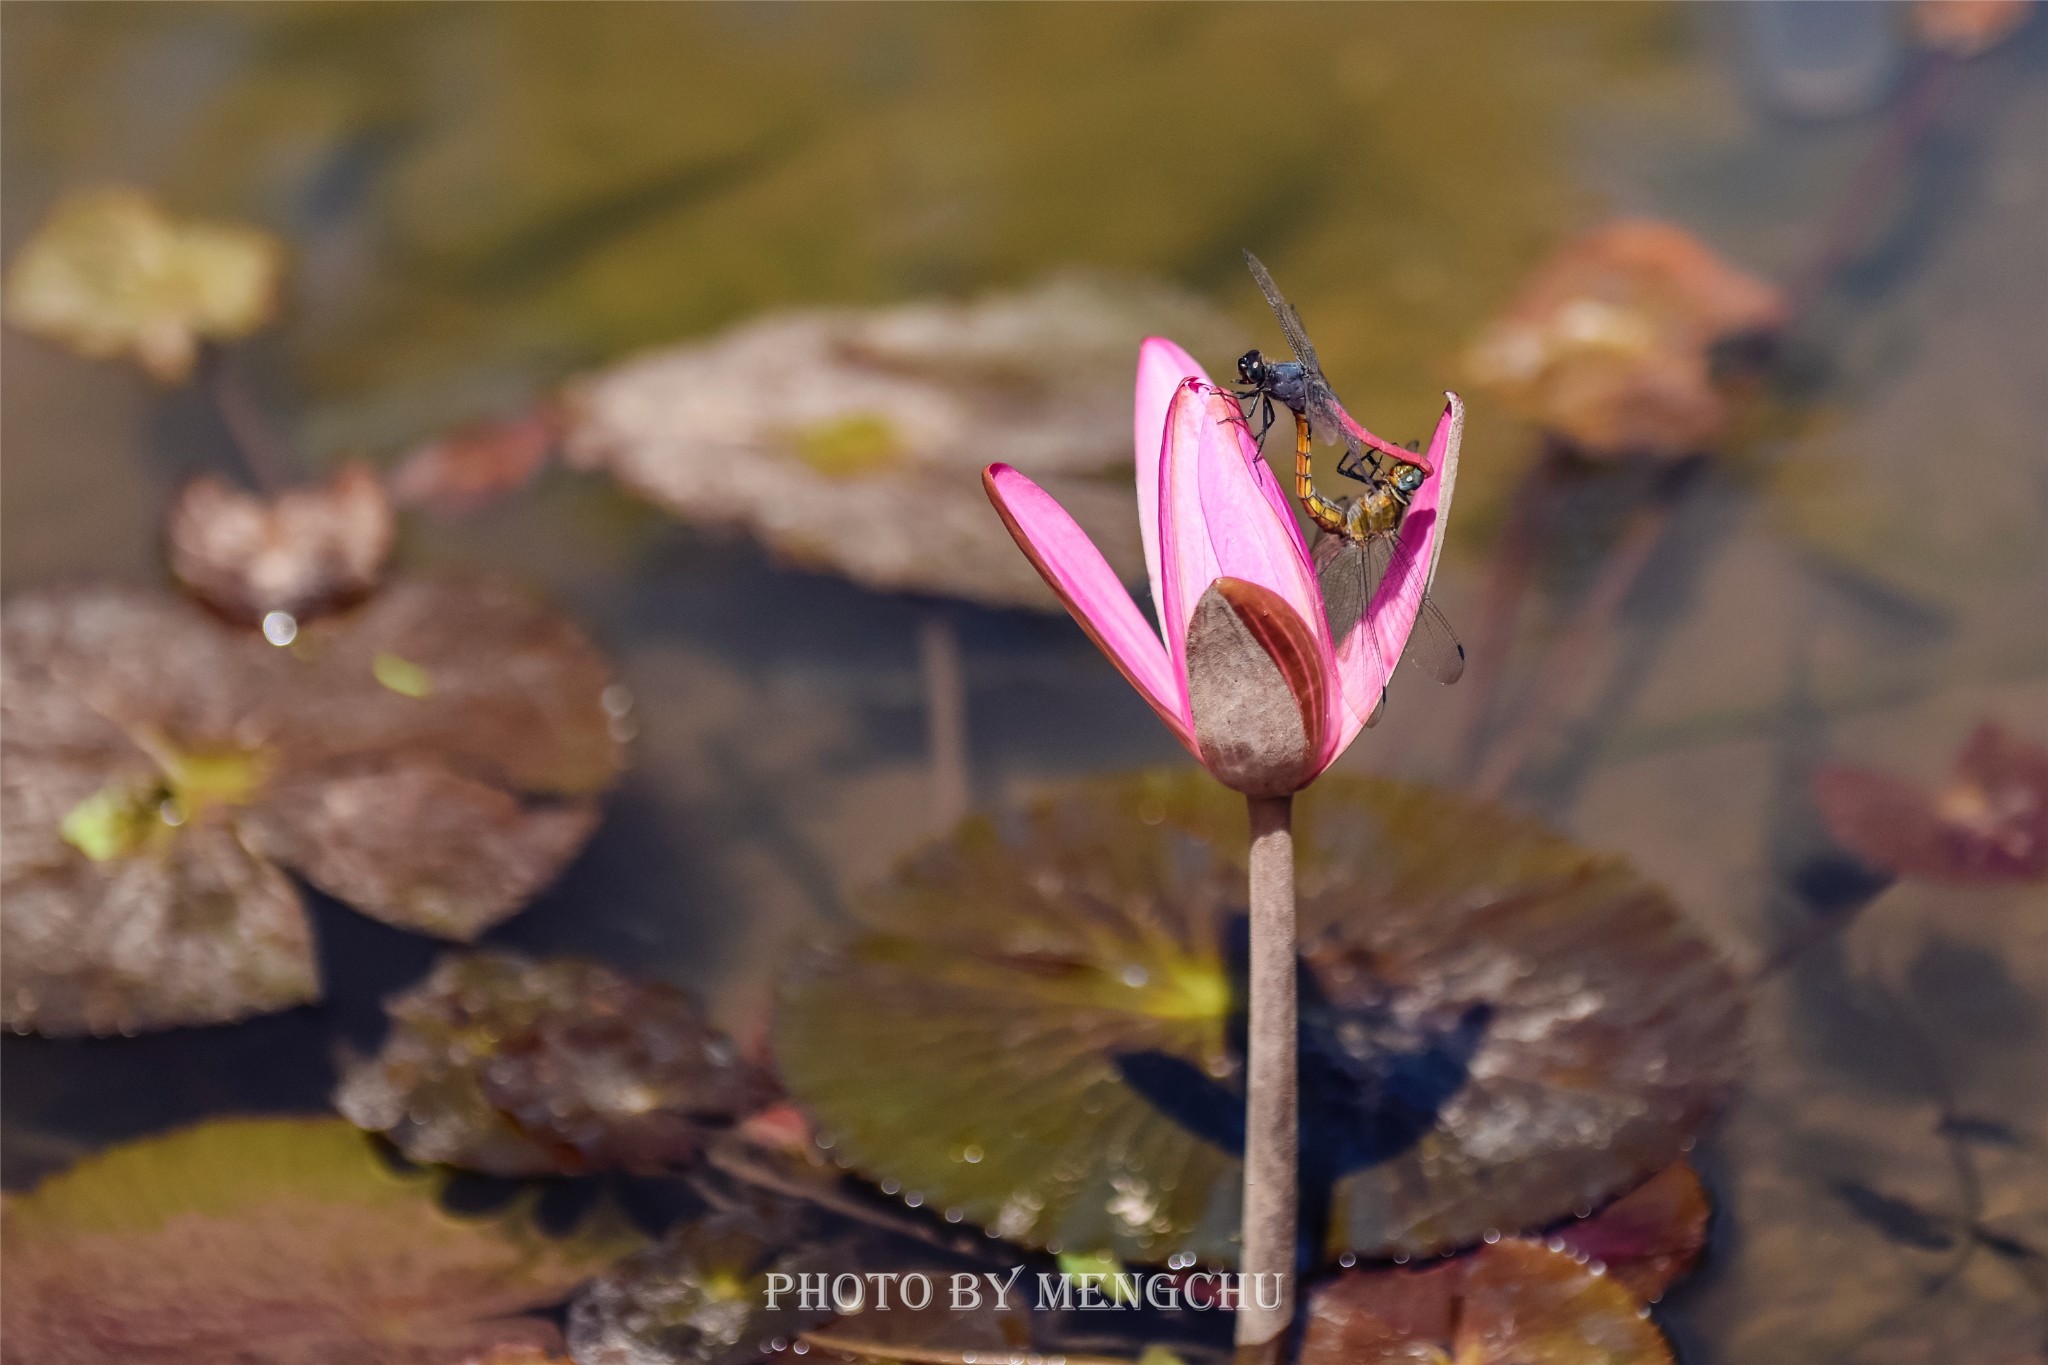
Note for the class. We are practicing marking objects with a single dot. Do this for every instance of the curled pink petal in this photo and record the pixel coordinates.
(1069, 562)
(1162, 367)
(1391, 615)
(1217, 522)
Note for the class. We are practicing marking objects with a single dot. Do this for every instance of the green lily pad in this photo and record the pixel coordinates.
(1512, 1304)
(162, 769)
(1037, 1029)
(502, 1064)
(275, 1242)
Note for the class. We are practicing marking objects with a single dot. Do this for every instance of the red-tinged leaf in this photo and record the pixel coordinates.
(1987, 824)
(1649, 1238)
(302, 552)
(473, 466)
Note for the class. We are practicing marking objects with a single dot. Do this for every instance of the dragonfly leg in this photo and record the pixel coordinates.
(1355, 463)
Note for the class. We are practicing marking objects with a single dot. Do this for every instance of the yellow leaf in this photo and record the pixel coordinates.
(112, 274)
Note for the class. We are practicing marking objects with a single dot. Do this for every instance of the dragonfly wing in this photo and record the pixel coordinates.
(1341, 573)
(1290, 321)
(1433, 645)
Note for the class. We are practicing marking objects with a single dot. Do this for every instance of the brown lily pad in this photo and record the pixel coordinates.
(1649, 1238)
(1988, 823)
(111, 273)
(1039, 1030)
(275, 1242)
(302, 552)
(1511, 1304)
(502, 1064)
(161, 768)
(1610, 342)
(700, 1296)
(855, 441)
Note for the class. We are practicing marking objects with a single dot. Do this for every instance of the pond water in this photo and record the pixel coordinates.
(485, 200)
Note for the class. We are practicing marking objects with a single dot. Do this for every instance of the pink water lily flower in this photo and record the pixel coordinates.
(1248, 676)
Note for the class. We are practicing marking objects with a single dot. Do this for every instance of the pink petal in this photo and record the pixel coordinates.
(1391, 615)
(1162, 366)
(1217, 520)
(1076, 570)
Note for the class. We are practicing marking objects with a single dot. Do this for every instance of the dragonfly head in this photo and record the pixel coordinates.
(1408, 477)
(1251, 368)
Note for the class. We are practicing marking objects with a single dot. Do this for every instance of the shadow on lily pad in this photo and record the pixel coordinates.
(1037, 1029)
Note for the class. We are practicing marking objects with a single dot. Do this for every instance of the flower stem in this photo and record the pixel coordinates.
(1271, 1130)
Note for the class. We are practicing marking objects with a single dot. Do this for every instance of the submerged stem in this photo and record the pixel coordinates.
(945, 699)
(1271, 1126)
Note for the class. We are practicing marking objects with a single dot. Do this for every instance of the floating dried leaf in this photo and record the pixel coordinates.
(112, 273)
(302, 552)
(472, 466)
(1987, 824)
(275, 1242)
(855, 441)
(503, 1064)
(159, 763)
(1649, 1238)
(1609, 344)
(1510, 1304)
(701, 1295)
(1041, 1029)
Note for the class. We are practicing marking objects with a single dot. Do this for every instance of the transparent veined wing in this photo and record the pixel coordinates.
(1432, 645)
(1342, 574)
(1290, 321)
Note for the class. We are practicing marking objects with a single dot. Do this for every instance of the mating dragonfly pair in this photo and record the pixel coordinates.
(1357, 535)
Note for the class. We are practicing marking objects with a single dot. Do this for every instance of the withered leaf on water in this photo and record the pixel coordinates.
(503, 1064)
(301, 552)
(1610, 342)
(1988, 823)
(160, 766)
(468, 468)
(275, 1242)
(1040, 1028)
(1508, 1304)
(855, 441)
(700, 1296)
(111, 273)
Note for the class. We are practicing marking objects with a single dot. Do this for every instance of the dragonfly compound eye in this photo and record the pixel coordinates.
(1409, 479)
(1250, 367)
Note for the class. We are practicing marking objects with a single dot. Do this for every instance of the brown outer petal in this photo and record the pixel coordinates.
(1173, 722)
(1258, 689)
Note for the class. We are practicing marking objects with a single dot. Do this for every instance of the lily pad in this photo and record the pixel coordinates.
(161, 768)
(275, 1242)
(701, 1295)
(502, 1064)
(1649, 1238)
(111, 273)
(1039, 1029)
(855, 441)
(1510, 1304)
(1610, 342)
(1988, 823)
(305, 551)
